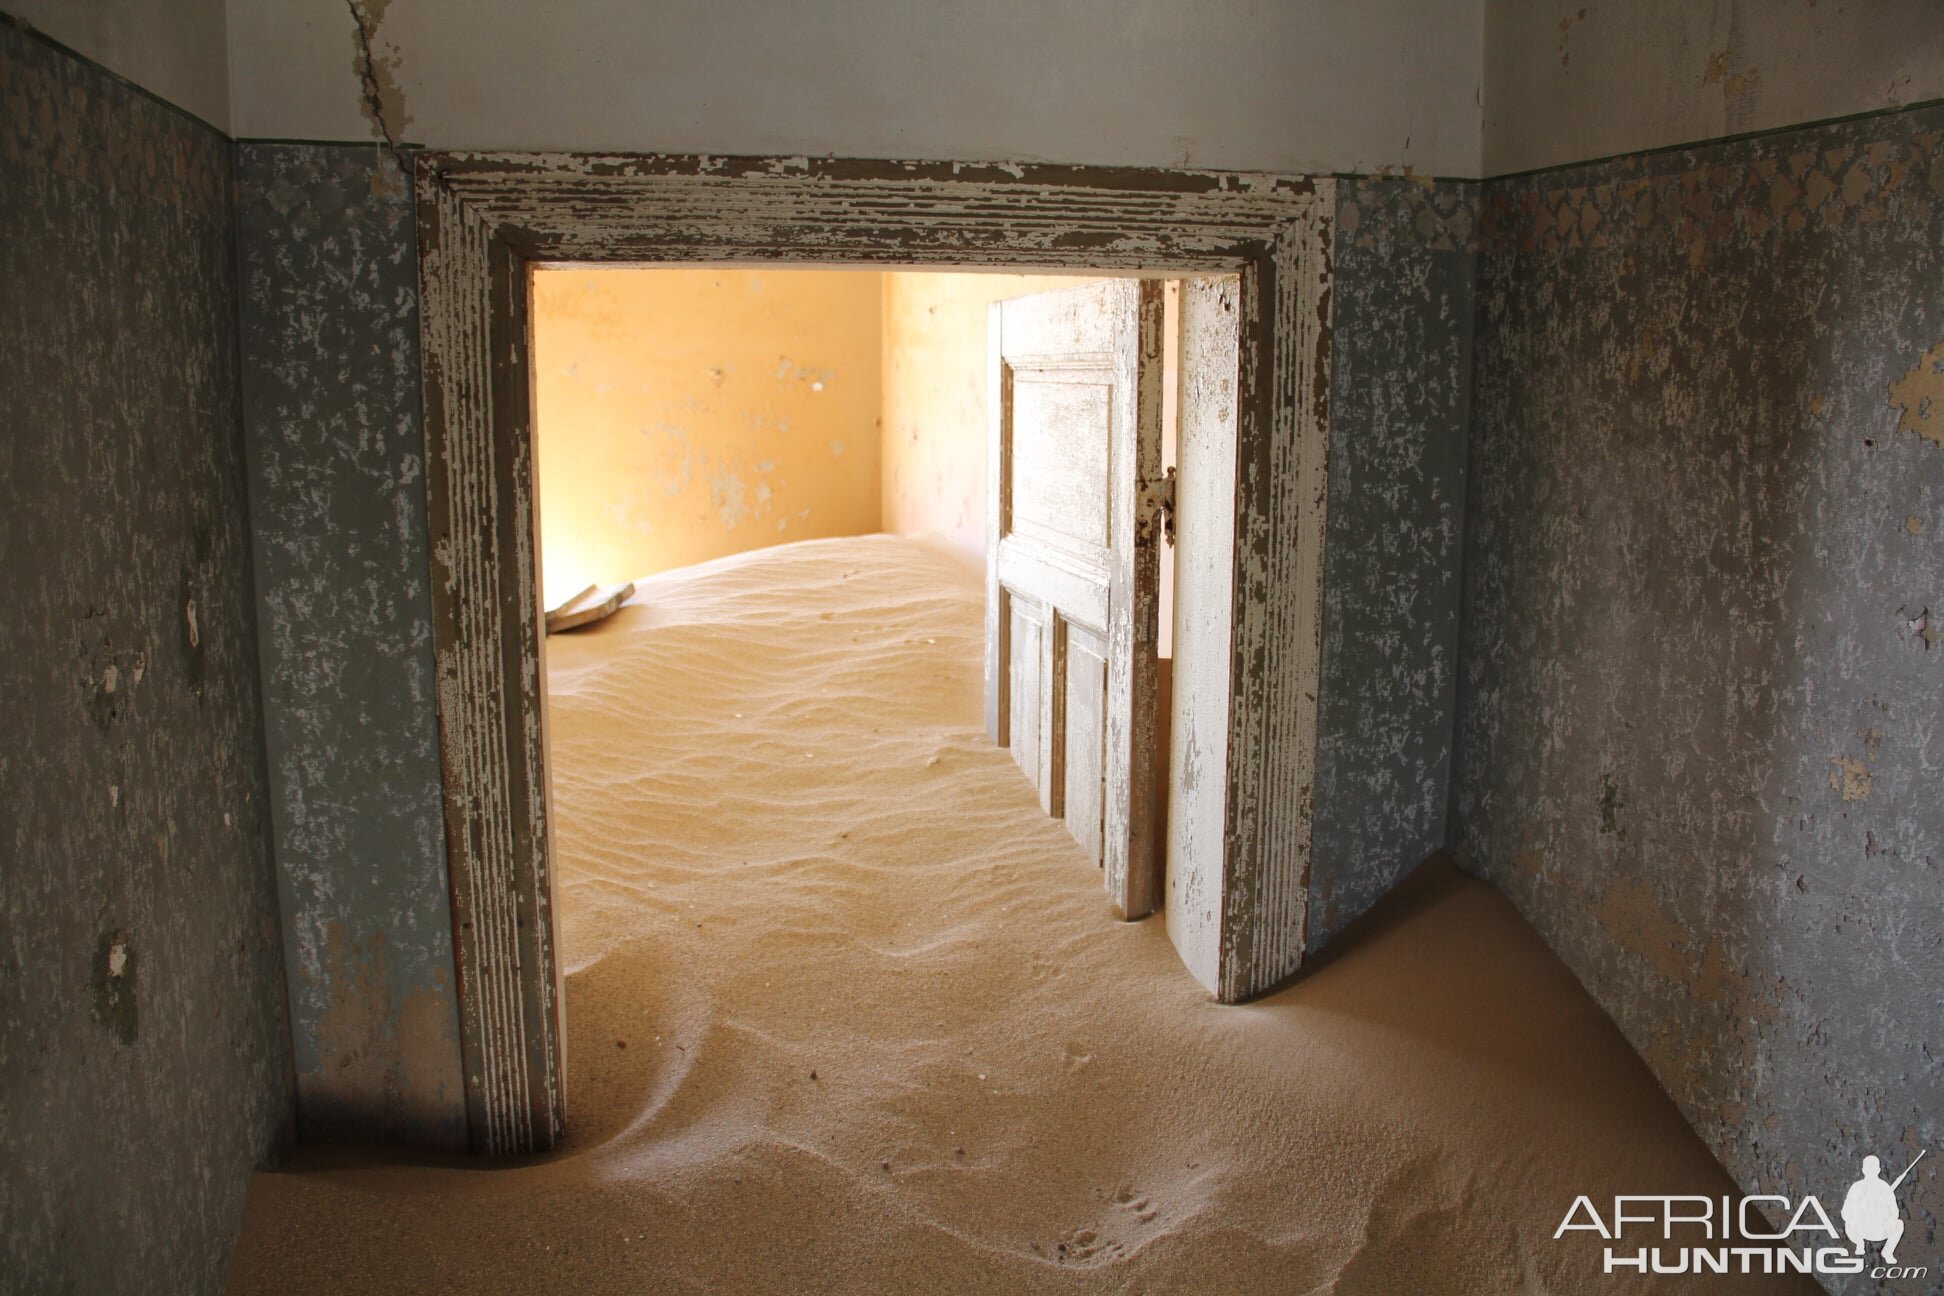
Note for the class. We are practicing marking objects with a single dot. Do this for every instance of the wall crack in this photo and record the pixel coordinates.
(379, 97)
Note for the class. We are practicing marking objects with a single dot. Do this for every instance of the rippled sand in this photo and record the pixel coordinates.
(847, 1013)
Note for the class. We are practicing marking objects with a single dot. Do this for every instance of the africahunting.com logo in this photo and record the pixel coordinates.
(1736, 1239)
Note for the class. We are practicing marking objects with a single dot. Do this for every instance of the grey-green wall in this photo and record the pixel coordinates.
(331, 412)
(1701, 716)
(143, 1067)
(1400, 404)
(1684, 414)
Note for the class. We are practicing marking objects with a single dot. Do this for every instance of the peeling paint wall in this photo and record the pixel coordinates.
(332, 416)
(1400, 404)
(1304, 86)
(1569, 80)
(1700, 710)
(142, 1056)
(1572, 569)
(683, 415)
(936, 378)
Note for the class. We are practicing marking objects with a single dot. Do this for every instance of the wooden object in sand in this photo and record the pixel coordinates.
(1076, 499)
(590, 605)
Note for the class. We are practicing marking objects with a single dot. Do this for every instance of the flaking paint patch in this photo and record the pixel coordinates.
(1610, 804)
(1850, 778)
(729, 498)
(114, 986)
(1919, 398)
(1738, 83)
(194, 659)
(376, 67)
(1566, 25)
(1920, 626)
(101, 686)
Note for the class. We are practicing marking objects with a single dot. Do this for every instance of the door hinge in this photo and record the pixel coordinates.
(1164, 499)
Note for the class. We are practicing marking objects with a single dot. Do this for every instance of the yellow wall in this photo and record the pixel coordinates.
(935, 400)
(683, 415)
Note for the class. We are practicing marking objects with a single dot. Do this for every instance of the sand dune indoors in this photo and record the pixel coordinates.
(847, 1013)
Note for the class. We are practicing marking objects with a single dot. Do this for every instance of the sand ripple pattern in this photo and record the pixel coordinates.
(846, 1013)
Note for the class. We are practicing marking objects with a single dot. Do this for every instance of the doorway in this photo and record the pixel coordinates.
(769, 779)
(485, 219)
(1023, 427)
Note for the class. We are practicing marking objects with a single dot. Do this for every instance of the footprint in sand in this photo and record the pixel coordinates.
(1083, 1245)
(1140, 1208)
(1120, 1233)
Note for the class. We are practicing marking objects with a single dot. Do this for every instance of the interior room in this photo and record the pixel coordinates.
(876, 648)
(686, 414)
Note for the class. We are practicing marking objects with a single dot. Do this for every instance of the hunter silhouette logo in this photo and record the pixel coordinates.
(1870, 1212)
(1727, 1235)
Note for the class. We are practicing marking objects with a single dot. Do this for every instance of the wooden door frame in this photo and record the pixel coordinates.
(485, 218)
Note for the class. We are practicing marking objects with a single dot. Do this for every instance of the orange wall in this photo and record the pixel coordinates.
(935, 400)
(683, 415)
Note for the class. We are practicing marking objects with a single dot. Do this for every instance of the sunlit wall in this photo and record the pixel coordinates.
(683, 415)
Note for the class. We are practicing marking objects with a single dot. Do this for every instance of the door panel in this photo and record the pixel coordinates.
(1073, 464)
(1086, 740)
(1029, 730)
(1060, 482)
(1204, 560)
(1080, 590)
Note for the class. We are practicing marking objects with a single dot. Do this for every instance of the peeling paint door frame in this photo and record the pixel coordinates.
(485, 219)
